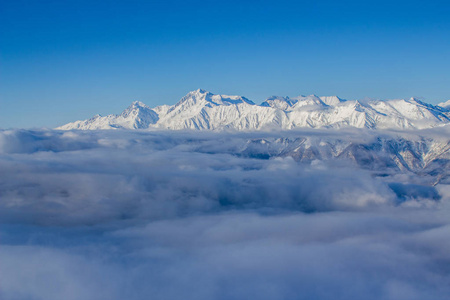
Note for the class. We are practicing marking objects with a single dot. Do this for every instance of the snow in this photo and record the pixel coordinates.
(445, 104)
(202, 110)
(331, 100)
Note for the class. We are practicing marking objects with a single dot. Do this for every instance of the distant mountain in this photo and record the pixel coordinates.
(384, 153)
(202, 110)
(136, 116)
(445, 105)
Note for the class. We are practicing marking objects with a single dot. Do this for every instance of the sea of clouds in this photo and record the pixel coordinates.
(179, 215)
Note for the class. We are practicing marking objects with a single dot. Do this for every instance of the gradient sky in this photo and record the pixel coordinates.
(61, 61)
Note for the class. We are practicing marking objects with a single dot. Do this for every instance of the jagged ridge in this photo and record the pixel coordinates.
(202, 110)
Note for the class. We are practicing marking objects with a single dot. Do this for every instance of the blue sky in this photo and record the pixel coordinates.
(67, 60)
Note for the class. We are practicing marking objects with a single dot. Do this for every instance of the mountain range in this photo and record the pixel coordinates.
(202, 110)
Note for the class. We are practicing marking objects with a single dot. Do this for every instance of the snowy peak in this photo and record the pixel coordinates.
(331, 100)
(135, 108)
(136, 105)
(228, 100)
(445, 105)
(194, 96)
(202, 110)
(300, 102)
(310, 101)
(136, 116)
(203, 97)
(277, 102)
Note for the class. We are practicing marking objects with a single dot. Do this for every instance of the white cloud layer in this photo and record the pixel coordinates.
(163, 215)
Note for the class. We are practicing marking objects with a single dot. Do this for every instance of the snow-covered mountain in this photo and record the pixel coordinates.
(202, 110)
(445, 105)
(136, 116)
(383, 153)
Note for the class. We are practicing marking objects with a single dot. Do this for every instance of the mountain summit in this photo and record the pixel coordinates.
(202, 110)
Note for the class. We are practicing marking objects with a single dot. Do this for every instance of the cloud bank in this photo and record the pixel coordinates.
(163, 215)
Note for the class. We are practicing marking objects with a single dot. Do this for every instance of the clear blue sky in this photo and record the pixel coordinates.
(66, 60)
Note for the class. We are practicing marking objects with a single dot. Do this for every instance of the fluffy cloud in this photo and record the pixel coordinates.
(161, 215)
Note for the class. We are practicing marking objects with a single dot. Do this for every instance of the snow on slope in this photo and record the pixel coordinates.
(202, 110)
(445, 105)
(136, 116)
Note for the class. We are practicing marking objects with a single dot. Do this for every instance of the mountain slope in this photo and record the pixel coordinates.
(202, 110)
(445, 105)
(136, 116)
